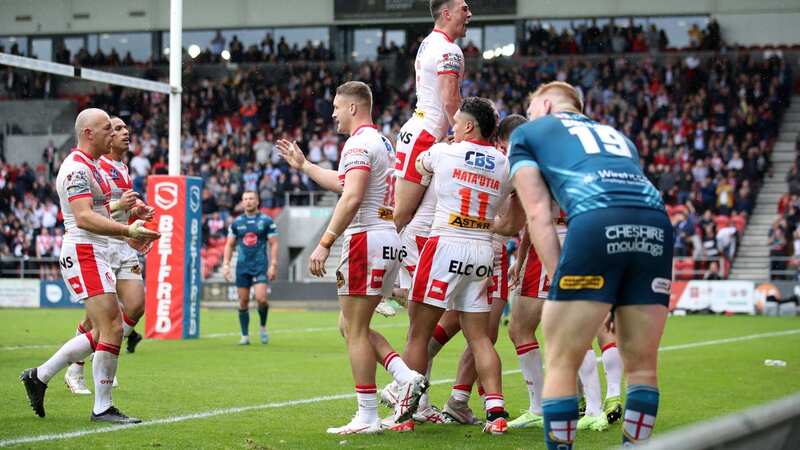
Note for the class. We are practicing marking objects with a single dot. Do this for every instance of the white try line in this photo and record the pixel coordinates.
(221, 335)
(240, 409)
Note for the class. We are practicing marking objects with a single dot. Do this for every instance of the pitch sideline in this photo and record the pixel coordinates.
(240, 409)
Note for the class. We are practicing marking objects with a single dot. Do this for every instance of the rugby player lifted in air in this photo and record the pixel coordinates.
(617, 254)
(85, 198)
(371, 253)
(249, 234)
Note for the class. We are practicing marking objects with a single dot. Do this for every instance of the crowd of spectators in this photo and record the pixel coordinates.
(784, 234)
(591, 38)
(704, 130)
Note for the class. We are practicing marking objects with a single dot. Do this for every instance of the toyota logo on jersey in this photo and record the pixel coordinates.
(250, 239)
(166, 195)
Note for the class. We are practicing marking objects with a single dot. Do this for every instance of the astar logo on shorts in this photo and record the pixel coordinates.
(661, 286)
(385, 214)
(166, 195)
(457, 220)
(250, 239)
(577, 282)
(137, 269)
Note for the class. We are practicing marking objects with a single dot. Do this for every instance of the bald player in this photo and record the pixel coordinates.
(85, 198)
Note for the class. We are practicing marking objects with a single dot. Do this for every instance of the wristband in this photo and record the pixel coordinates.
(328, 238)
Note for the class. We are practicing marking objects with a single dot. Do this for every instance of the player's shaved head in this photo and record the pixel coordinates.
(563, 96)
(93, 131)
(358, 91)
(89, 118)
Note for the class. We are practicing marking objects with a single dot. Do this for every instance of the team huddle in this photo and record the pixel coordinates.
(426, 225)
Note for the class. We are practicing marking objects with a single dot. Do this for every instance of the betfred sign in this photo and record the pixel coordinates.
(172, 306)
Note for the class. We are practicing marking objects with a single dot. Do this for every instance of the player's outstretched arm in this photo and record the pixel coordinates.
(535, 199)
(88, 220)
(290, 151)
(355, 185)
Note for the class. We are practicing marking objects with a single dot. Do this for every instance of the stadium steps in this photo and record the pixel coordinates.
(39, 116)
(752, 260)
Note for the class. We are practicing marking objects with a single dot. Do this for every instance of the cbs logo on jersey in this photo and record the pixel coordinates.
(479, 160)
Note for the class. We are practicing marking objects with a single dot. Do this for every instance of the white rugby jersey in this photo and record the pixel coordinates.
(119, 178)
(79, 177)
(367, 149)
(470, 179)
(437, 55)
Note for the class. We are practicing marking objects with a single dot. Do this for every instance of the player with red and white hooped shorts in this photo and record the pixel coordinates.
(438, 56)
(470, 179)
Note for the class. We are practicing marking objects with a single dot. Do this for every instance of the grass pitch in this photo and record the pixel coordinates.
(213, 393)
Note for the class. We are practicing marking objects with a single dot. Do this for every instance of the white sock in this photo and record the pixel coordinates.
(494, 401)
(591, 384)
(461, 393)
(104, 367)
(127, 324)
(612, 362)
(395, 365)
(530, 361)
(75, 349)
(367, 403)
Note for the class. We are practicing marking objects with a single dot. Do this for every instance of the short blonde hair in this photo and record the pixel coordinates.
(568, 92)
(358, 90)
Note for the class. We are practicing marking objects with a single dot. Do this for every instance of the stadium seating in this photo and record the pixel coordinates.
(677, 112)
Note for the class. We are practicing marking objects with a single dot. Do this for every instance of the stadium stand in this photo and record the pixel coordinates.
(705, 125)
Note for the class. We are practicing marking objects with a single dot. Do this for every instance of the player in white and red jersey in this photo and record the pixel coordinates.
(123, 258)
(439, 70)
(470, 180)
(457, 407)
(85, 204)
(371, 251)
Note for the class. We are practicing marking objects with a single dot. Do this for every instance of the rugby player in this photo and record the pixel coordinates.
(617, 254)
(439, 70)
(124, 260)
(249, 234)
(457, 407)
(371, 252)
(470, 182)
(85, 197)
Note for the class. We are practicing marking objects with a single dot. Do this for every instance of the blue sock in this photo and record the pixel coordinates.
(263, 311)
(244, 321)
(560, 422)
(641, 407)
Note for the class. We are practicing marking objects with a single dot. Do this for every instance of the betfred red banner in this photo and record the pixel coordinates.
(172, 305)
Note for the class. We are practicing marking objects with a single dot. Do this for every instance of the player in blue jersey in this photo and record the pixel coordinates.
(249, 233)
(617, 255)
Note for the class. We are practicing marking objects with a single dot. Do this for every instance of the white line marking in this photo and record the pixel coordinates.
(221, 335)
(240, 409)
